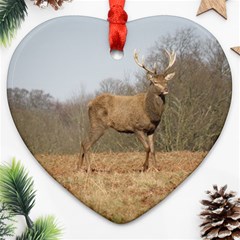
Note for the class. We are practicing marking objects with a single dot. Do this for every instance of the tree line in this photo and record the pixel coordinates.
(195, 112)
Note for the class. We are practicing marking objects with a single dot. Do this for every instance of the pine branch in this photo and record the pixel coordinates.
(12, 13)
(16, 190)
(6, 230)
(43, 229)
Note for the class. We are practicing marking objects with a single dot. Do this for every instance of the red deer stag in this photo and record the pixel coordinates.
(139, 114)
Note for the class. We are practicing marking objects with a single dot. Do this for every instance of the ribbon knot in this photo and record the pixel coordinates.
(117, 15)
(117, 19)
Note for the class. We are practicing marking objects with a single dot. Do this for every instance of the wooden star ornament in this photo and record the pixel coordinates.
(236, 50)
(217, 5)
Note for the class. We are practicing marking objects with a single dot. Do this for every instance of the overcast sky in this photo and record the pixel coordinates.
(64, 54)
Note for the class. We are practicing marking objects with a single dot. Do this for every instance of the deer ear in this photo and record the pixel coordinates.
(170, 76)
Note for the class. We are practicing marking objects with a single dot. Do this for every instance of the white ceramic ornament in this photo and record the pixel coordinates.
(66, 94)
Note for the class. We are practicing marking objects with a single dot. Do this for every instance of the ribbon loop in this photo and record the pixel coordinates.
(117, 18)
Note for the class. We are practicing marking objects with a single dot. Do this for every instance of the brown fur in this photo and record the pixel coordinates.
(110, 111)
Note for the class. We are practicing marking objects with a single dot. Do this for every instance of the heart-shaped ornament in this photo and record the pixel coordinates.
(69, 98)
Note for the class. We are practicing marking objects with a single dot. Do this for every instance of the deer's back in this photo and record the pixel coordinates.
(123, 113)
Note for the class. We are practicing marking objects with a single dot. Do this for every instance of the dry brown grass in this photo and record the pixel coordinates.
(117, 188)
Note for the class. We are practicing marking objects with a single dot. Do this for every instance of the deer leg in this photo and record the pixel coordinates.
(152, 150)
(141, 136)
(95, 134)
(81, 157)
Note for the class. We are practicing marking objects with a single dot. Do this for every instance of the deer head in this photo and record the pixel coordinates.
(160, 81)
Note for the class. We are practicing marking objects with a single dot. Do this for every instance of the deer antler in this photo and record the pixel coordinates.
(142, 65)
(172, 59)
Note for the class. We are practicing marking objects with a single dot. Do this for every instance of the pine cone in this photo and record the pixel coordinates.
(56, 4)
(221, 215)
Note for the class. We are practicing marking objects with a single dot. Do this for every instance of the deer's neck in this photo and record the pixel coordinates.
(154, 104)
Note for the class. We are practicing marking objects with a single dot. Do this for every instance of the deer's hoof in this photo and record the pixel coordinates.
(145, 168)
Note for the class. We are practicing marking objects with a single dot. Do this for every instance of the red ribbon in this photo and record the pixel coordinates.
(117, 18)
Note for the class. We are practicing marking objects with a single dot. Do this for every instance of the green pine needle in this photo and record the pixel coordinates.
(6, 220)
(12, 13)
(43, 229)
(16, 189)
